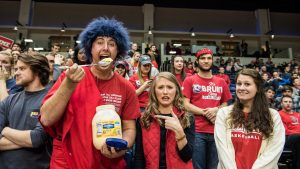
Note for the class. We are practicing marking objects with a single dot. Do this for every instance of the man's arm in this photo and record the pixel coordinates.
(53, 109)
(129, 131)
(192, 108)
(6, 144)
(20, 137)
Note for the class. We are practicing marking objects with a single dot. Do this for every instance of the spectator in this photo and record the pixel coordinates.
(223, 75)
(22, 138)
(177, 69)
(270, 93)
(79, 56)
(248, 134)
(142, 81)
(70, 105)
(166, 129)
(7, 82)
(133, 49)
(204, 95)
(291, 121)
(121, 67)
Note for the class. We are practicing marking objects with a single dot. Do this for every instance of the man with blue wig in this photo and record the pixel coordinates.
(70, 105)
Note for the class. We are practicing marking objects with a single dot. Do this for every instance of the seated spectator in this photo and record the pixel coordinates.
(287, 91)
(291, 122)
(296, 86)
(270, 93)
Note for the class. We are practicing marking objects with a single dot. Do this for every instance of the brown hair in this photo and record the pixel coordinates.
(260, 117)
(152, 107)
(182, 73)
(38, 64)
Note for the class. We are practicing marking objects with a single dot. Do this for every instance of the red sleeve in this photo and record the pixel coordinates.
(131, 108)
(226, 95)
(187, 87)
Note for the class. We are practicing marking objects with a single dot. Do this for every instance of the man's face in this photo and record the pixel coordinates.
(287, 104)
(221, 70)
(153, 48)
(24, 75)
(55, 49)
(134, 47)
(15, 47)
(104, 47)
(270, 94)
(205, 62)
(287, 93)
(296, 82)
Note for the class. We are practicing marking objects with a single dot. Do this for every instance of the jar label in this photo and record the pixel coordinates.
(108, 129)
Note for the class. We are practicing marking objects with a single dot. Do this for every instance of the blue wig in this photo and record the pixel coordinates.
(104, 27)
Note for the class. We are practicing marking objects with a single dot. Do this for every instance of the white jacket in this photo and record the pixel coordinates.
(270, 149)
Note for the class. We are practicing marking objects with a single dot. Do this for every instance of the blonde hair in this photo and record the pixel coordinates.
(152, 107)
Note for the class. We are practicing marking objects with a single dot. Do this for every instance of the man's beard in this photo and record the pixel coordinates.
(203, 69)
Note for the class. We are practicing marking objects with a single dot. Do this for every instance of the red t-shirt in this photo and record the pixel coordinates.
(75, 129)
(134, 68)
(205, 93)
(144, 96)
(291, 122)
(246, 147)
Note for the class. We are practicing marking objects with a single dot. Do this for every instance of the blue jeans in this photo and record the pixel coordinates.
(205, 152)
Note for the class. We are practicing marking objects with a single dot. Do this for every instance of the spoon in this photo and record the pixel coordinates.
(103, 62)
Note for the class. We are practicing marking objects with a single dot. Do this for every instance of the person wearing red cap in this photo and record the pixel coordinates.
(204, 95)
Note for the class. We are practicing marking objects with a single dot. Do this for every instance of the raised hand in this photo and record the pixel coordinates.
(75, 73)
(172, 123)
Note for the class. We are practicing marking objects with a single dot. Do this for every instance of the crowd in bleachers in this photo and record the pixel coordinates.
(280, 80)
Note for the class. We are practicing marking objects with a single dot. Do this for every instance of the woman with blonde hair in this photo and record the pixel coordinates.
(7, 82)
(142, 81)
(249, 134)
(165, 132)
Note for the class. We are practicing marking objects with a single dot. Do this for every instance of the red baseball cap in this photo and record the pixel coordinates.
(203, 52)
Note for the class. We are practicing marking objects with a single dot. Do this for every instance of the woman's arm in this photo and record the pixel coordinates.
(186, 152)
(139, 159)
(226, 157)
(268, 158)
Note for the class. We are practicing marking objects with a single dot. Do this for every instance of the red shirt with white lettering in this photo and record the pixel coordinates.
(144, 96)
(246, 147)
(291, 122)
(205, 93)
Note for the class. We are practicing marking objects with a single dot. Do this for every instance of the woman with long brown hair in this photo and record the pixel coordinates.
(178, 69)
(165, 132)
(249, 134)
